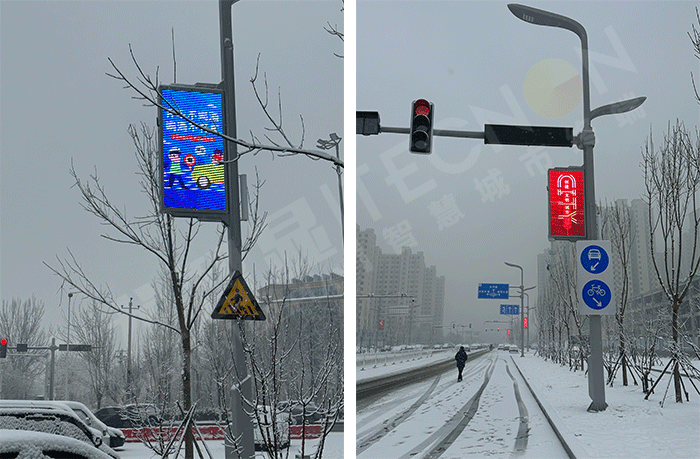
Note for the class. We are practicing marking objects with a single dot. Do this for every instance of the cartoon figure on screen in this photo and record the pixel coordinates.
(175, 168)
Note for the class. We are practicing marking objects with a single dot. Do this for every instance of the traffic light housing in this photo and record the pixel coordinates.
(525, 322)
(508, 333)
(421, 135)
(3, 348)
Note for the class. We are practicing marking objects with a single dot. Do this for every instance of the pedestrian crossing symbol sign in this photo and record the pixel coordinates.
(238, 302)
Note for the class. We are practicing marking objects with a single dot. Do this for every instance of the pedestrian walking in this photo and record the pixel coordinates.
(461, 358)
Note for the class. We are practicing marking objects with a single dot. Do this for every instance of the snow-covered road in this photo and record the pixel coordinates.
(490, 413)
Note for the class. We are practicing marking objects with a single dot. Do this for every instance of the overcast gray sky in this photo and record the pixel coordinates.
(58, 106)
(469, 207)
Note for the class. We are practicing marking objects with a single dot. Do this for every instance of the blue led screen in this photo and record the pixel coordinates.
(193, 169)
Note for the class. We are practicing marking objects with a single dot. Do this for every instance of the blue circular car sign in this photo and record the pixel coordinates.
(596, 294)
(594, 259)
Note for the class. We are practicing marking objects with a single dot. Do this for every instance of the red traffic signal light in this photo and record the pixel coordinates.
(525, 322)
(508, 333)
(421, 135)
(3, 348)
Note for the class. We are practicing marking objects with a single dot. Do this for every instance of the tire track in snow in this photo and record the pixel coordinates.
(449, 433)
(523, 429)
(370, 437)
(377, 434)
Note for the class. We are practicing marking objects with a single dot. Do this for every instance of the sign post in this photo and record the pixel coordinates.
(595, 293)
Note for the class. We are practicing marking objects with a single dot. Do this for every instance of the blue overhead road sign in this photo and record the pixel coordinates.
(511, 309)
(493, 291)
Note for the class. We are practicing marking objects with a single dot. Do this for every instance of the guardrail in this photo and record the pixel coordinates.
(135, 435)
(377, 359)
(387, 383)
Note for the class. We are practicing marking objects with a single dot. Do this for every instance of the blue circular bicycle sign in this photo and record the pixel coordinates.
(594, 259)
(596, 294)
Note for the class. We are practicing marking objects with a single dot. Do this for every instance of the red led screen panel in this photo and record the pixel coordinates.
(566, 206)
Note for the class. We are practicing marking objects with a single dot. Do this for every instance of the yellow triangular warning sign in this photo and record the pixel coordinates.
(238, 302)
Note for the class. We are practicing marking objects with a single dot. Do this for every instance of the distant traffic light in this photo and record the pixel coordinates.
(421, 135)
(508, 333)
(3, 348)
(525, 322)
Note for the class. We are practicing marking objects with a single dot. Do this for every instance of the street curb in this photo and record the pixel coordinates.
(550, 418)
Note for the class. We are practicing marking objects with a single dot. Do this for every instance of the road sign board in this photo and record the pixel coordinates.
(75, 347)
(510, 309)
(595, 278)
(238, 302)
(493, 291)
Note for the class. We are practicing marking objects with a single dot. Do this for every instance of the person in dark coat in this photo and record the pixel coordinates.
(461, 358)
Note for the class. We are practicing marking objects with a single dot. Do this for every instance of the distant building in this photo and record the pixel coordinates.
(399, 299)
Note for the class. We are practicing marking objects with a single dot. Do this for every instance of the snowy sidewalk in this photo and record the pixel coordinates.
(630, 427)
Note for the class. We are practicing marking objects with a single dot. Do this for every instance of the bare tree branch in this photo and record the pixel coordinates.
(147, 90)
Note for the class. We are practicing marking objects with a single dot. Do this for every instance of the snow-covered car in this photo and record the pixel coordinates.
(513, 349)
(263, 422)
(111, 435)
(50, 417)
(129, 416)
(40, 445)
(296, 412)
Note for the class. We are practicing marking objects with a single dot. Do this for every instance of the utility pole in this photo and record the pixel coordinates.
(128, 351)
(242, 390)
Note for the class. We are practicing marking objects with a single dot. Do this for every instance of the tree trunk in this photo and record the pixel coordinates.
(623, 356)
(676, 371)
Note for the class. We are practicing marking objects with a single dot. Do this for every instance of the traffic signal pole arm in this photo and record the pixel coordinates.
(436, 132)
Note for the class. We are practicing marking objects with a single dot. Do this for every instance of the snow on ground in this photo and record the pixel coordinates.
(333, 449)
(630, 427)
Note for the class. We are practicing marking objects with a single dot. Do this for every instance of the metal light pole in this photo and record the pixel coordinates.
(585, 141)
(242, 429)
(65, 396)
(522, 296)
(327, 145)
(128, 350)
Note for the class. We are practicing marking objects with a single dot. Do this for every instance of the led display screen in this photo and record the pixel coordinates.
(566, 205)
(193, 172)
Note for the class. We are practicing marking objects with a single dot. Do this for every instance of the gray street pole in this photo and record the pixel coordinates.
(327, 145)
(65, 393)
(242, 429)
(522, 306)
(596, 383)
(128, 352)
(53, 368)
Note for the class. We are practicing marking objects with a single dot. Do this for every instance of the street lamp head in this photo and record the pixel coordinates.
(513, 265)
(546, 18)
(618, 107)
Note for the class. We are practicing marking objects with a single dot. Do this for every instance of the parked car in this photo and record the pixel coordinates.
(28, 444)
(513, 349)
(111, 435)
(54, 405)
(296, 412)
(263, 422)
(50, 418)
(129, 416)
